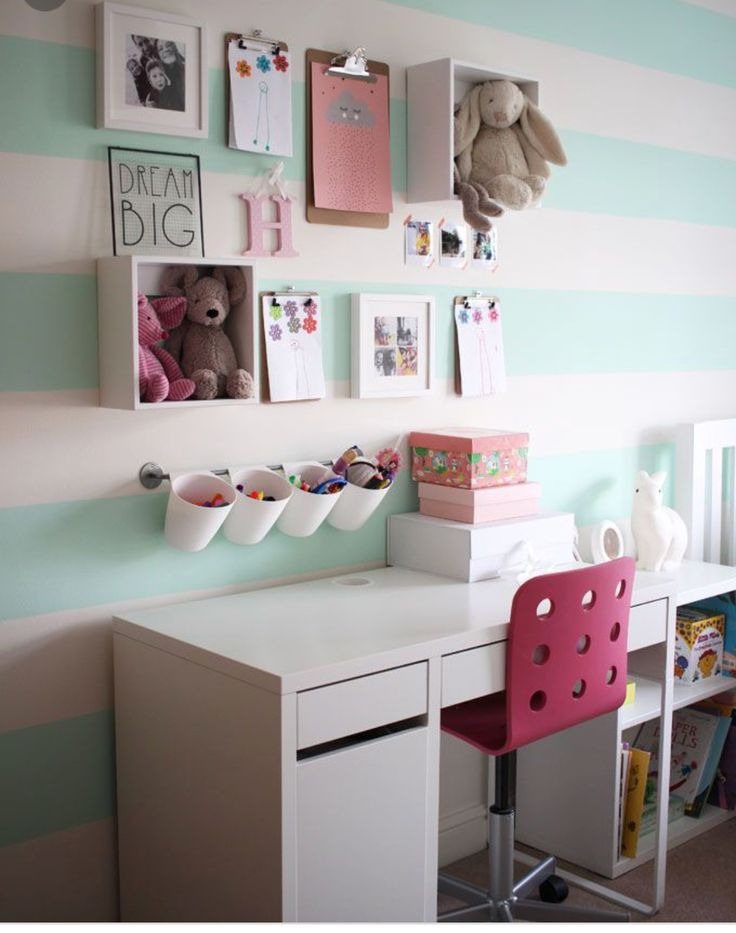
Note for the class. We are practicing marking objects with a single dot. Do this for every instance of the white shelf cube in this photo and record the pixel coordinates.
(119, 279)
(433, 90)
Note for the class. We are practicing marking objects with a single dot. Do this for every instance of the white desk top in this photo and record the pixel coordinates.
(296, 637)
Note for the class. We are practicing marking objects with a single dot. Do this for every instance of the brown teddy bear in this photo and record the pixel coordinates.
(200, 344)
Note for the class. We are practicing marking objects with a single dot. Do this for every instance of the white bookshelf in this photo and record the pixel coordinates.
(119, 279)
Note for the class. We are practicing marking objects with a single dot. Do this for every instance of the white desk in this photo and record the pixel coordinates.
(278, 751)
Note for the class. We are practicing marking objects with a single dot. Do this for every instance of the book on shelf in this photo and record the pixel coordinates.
(692, 734)
(622, 787)
(722, 713)
(723, 790)
(634, 805)
(675, 809)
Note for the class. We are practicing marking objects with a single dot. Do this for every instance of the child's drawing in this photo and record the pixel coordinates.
(292, 325)
(260, 99)
(480, 346)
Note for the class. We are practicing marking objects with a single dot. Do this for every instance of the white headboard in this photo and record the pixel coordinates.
(706, 489)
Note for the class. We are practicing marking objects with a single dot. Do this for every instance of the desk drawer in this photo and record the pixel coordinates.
(473, 673)
(647, 624)
(351, 706)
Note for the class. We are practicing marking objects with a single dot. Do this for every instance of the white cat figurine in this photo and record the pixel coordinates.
(659, 532)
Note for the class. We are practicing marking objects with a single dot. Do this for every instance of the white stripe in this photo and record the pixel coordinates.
(65, 877)
(563, 413)
(59, 665)
(538, 249)
(579, 90)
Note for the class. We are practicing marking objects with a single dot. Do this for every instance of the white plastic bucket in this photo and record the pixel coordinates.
(305, 511)
(355, 507)
(191, 527)
(251, 519)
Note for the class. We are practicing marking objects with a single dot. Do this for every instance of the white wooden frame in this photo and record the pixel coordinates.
(112, 112)
(364, 382)
(703, 450)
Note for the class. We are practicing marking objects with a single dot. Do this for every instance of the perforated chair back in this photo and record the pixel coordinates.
(566, 654)
(565, 659)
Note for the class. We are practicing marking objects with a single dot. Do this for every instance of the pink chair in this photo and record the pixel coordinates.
(565, 664)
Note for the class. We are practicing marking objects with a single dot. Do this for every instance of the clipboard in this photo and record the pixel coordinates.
(257, 41)
(322, 215)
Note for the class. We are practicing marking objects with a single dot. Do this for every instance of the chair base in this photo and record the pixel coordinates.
(506, 900)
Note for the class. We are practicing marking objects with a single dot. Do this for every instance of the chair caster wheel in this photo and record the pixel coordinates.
(553, 890)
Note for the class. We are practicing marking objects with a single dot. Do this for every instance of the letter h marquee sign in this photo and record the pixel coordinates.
(156, 203)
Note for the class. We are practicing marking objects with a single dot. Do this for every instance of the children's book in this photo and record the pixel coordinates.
(722, 713)
(692, 735)
(723, 792)
(622, 787)
(675, 809)
(638, 766)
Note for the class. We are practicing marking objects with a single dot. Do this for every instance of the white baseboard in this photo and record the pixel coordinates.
(462, 833)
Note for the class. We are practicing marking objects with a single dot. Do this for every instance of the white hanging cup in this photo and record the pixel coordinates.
(305, 511)
(191, 527)
(356, 506)
(251, 519)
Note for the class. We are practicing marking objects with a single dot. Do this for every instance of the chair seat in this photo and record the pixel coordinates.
(480, 722)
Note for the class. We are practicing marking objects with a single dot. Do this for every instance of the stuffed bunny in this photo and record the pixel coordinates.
(159, 376)
(659, 532)
(502, 141)
(200, 343)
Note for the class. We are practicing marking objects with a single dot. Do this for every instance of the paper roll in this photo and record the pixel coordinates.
(600, 542)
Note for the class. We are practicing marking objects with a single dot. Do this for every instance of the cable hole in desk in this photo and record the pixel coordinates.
(353, 581)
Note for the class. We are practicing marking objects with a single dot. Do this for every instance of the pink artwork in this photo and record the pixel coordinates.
(351, 156)
(258, 225)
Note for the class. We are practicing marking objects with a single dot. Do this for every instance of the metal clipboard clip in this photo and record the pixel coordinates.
(355, 66)
(257, 38)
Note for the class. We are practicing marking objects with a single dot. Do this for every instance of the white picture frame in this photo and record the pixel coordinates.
(401, 330)
(151, 71)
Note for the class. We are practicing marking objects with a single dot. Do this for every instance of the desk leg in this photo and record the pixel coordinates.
(431, 864)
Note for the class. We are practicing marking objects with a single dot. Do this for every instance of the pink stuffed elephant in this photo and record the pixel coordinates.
(159, 376)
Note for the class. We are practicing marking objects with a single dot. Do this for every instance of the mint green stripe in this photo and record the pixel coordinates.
(64, 123)
(73, 554)
(56, 776)
(76, 554)
(669, 35)
(49, 332)
(605, 175)
(598, 484)
(52, 344)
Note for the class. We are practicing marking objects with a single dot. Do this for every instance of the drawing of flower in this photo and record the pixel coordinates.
(281, 63)
(275, 332)
(243, 68)
(263, 64)
(493, 314)
(294, 325)
(291, 308)
(275, 312)
(463, 316)
(310, 307)
(477, 315)
(310, 325)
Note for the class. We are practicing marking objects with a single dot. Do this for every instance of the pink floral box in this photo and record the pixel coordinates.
(469, 458)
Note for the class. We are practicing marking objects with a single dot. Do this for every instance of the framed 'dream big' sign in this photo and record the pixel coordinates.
(156, 203)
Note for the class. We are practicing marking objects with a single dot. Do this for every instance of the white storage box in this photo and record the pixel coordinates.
(475, 552)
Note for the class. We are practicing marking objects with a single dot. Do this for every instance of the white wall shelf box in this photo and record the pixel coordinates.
(119, 279)
(433, 90)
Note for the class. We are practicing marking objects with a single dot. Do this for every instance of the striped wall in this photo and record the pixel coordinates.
(619, 302)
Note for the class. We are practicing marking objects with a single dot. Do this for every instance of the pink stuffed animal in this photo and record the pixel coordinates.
(159, 376)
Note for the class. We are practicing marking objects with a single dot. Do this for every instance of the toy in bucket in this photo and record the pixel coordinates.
(315, 492)
(368, 481)
(262, 495)
(198, 505)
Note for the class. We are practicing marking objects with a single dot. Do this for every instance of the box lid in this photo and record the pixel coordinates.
(489, 495)
(469, 440)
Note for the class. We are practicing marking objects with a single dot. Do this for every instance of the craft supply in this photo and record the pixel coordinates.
(344, 460)
(390, 461)
(331, 485)
(214, 503)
